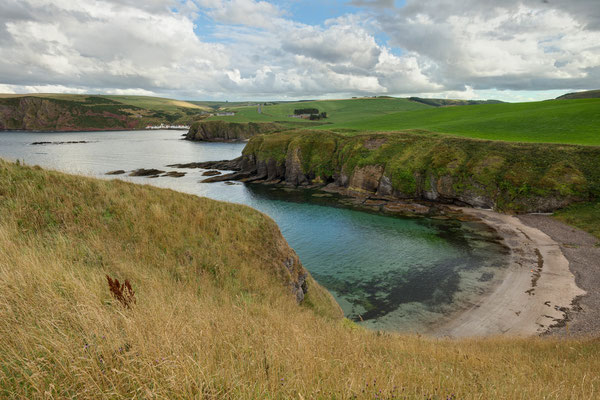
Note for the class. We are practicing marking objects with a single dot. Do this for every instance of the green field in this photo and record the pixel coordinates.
(340, 112)
(555, 121)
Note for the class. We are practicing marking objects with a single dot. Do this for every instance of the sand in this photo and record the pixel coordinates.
(537, 292)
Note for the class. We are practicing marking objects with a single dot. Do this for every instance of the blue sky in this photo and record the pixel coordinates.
(514, 50)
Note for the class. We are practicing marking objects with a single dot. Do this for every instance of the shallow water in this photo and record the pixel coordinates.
(402, 274)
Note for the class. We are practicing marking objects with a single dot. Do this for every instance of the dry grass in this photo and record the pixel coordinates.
(213, 318)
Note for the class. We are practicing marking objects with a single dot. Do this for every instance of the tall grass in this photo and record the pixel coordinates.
(214, 317)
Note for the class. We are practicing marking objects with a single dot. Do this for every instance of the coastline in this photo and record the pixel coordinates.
(87, 130)
(583, 252)
(536, 293)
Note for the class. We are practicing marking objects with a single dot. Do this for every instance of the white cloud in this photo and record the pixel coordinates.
(252, 48)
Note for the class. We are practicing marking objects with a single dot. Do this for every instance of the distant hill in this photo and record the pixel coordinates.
(69, 112)
(588, 94)
(450, 102)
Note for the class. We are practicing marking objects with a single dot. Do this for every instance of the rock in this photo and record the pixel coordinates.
(70, 142)
(222, 131)
(298, 275)
(211, 173)
(385, 187)
(175, 174)
(116, 172)
(152, 173)
(236, 176)
(293, 168)
(404, 208)
(226, 165)
(366, 178)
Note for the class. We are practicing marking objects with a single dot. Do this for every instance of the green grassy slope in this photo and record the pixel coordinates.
(589, 94)
(68, 112)
(556, 121)
(584, 216)
(339, 111)
(212, 319)
(145, 102)
(517, 177)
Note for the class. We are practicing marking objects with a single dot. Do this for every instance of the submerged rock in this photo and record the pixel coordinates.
(116, 172)
(152, 173)
(175, 174)
(211, 173)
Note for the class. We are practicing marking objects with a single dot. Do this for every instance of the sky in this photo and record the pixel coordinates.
(511, 50)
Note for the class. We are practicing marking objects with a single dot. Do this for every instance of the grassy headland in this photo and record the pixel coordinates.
(214, 317)
(69, 112)
(339, 111)
(555, 121)
(506, 176)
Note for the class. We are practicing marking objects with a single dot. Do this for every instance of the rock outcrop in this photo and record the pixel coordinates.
(221, 131)
(512, 177)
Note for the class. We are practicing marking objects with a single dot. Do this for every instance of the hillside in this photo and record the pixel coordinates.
(451, 102)
(67, 112)
(557, 121)
(513, 177)
(339, 111)
(214, 315)
(560, 121)
(589, 94)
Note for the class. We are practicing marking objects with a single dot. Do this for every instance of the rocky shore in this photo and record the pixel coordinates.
(221, 131)
(538, 295)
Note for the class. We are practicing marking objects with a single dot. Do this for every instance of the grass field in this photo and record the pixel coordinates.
(556, 121)
(156, 103)
(212, 318)
(339, 111)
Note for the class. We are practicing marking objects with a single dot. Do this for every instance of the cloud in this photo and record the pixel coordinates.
(242, 12)
(253, 48)
(516, 45)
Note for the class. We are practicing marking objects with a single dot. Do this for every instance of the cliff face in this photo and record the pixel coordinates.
(221, 131)
(35, 113)
(504, 176)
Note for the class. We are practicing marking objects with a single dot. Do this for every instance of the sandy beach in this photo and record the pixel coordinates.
(537, 292)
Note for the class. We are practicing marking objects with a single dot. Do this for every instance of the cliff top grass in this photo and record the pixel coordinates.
(212, 317)
(518, 176)
(339, 111)
(553, 121)
(144, 102)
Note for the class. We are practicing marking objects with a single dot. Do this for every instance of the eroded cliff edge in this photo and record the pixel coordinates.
(517, 177)
(222, 131)
(41, 114)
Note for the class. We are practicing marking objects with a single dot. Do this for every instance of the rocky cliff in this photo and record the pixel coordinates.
(504, 176)
(221, 131)
(36, 113)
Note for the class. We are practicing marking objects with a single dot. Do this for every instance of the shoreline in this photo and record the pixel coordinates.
(583, 252)
(536, 294)
(88, 130)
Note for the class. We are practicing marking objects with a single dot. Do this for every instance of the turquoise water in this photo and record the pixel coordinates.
(388, 273)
